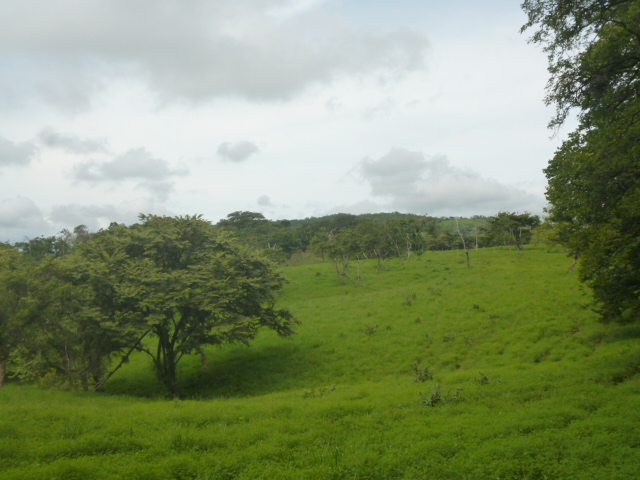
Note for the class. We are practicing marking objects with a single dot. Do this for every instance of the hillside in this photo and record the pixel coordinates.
(428, 369)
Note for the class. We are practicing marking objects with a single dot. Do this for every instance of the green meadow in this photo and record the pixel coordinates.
(427, 370)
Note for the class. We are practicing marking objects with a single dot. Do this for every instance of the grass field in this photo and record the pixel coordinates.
(430, 370)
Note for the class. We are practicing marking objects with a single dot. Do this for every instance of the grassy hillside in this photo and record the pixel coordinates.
(427, 370)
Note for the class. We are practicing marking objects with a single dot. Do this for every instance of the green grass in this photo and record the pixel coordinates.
(526, 384)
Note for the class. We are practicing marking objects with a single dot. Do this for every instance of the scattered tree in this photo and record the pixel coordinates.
(507, 228)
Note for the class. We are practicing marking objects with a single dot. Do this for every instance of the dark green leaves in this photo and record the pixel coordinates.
(594, 178)
(187, 283)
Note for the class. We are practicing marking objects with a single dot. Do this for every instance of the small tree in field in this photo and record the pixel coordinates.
(508, 228)
(183, 284)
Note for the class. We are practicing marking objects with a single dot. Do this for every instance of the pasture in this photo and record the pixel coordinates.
(427, 370)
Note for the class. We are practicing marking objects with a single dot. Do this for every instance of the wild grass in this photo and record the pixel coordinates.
(427, 370)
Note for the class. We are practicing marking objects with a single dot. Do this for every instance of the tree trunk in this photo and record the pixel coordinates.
(166, 363)
(124, 359)
(335, 262)
(3, 371)
(464, 244)
(575, 262)
(168, 375)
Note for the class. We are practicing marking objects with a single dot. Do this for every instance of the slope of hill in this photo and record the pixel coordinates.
(428, 369)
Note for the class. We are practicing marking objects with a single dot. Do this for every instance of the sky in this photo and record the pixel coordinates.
(290, 108)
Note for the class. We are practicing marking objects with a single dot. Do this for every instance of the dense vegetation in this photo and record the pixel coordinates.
(429, 369)
(594, 177)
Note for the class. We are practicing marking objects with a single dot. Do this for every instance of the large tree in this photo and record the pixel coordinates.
(179, 284)
(594, 177)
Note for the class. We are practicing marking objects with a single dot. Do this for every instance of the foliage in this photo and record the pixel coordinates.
(547, 233)
(166, 286)
(507, 228)
(56, 246)
(594, 178)
(13, 290)
(433, 398)
(422, 374)
(378, 235)
(37, 301)
(593, 55)
(277, 240)
(184, 282)
(67, 336)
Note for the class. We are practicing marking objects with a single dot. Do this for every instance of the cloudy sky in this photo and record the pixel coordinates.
(291, 108)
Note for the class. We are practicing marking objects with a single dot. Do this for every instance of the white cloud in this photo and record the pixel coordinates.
(134, 164)
(153, 174)
(264, 201)
(382, 109)
(316, 84)
(20, 217)
(159, 190)
(394, 173)
(359, 208)
(197, 49)
(238, 151)
(412, 183)
(71, 143)
(93, 216)
(19, 154)
(100, 216)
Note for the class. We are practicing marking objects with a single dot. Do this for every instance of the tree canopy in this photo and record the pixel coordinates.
(166, 286)
(594, 177)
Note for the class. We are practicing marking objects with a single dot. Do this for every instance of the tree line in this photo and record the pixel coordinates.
(377, 235)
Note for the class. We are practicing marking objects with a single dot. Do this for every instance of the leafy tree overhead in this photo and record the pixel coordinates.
(592, 49)
(184, 284)
(594, 177)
